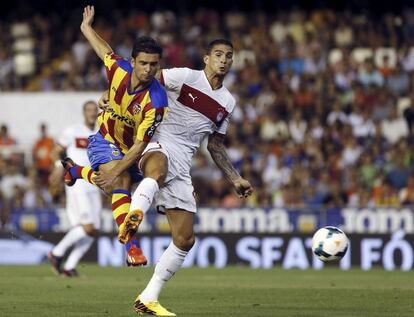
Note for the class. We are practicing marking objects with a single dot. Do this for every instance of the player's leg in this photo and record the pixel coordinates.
(154, 166)
(75, 172)
(75, 234)
(87, 209)
(121, 202)
(56, 255)
(181, 224)
(80, 247)
(100, 152)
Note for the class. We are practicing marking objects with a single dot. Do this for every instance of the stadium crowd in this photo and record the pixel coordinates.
(325, 113)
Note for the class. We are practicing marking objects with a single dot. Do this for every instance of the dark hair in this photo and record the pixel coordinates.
(146, 44)
(215, 42)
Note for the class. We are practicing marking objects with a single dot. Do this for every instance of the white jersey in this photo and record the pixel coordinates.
(83, 200)
(195, 110)
(75, 140)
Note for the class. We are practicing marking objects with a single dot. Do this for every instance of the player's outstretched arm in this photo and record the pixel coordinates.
(218, 152)
(98, 44)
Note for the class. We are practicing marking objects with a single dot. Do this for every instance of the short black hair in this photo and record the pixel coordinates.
(146, 44)
(215, 42)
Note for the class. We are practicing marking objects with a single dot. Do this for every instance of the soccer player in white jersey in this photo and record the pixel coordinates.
(83, 200)
(199, 106)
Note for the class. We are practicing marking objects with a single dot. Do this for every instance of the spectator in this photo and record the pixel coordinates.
(273, 128)
(297, 127)
(336, 197)
(344, 34)
(406, 194)
(398, 173)
(409, 114)
(386, 69)
(276, 177)
(291, 61)
(365, 128)
(398, 82)
(42, 154)
(336, 114)
(368, 75)
(5, 138)
(367, 171)
(36, 195)
(12, 186)
(394, 128)
(386, 196)
(351, 152)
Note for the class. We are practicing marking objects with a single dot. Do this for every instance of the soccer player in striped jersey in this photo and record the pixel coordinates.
(138, 105)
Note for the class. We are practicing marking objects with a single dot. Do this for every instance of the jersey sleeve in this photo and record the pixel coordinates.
(110, 61)
(224, 125)
(222, 129)
(152, 119)
(173, 78)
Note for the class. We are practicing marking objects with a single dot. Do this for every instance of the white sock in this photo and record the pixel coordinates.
(80, 248)
(169, 263)
(74, 235)
(144, 194)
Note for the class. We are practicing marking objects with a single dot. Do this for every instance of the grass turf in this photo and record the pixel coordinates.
(35, 291)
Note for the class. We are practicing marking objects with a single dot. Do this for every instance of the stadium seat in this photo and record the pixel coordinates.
(335, 56)
(360, 54)
(385, 51)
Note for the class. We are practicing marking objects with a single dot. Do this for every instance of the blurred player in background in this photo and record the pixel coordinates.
(137, 106)
(83, 201)
(199, 106)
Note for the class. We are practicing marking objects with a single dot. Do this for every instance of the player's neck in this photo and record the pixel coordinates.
(136, 84)
(215, 80)
(91, 126)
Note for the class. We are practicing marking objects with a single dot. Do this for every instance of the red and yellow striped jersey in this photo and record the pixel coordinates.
(133, 115)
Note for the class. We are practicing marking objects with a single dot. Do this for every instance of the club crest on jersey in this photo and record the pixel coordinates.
(220, 116)
(136, 109)
(115, 150)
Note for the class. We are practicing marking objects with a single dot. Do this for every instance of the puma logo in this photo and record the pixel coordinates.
(192, 97)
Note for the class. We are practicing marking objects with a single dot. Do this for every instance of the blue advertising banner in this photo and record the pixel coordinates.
(258, 251)
(243, 220)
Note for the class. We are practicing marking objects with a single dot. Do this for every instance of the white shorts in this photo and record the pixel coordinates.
(178, 190)
(84, 204)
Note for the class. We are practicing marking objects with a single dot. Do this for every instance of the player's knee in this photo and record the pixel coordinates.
(155, 166)
(158, 176)
(123, 181)
(184, 243)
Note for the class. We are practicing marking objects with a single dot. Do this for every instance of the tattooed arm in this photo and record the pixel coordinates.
(218, 153)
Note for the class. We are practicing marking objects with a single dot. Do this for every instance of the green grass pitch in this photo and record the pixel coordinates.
(35, 291)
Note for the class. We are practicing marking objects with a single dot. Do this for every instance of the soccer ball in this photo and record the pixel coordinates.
(329, 244)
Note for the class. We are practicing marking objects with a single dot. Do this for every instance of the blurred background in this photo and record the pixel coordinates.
(324, 128)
